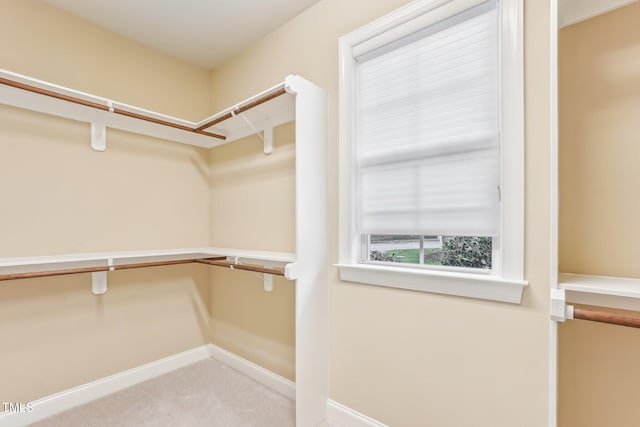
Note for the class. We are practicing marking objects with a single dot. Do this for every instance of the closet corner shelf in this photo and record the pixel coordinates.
(76, 263)
(258, 113)
(607, 291)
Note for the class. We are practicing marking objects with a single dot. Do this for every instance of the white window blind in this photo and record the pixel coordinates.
(428, 149)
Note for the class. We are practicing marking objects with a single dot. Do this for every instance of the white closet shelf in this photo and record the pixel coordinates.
(236, 257)
(605, 285)
(606, 291)
(259, 113)
(246, 118)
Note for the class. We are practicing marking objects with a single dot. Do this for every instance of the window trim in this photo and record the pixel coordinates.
(506, 282)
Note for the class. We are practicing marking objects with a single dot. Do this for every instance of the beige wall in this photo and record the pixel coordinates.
(404, 358)
(599, 103)
(59, 196)
(599, 148)
(252, 208)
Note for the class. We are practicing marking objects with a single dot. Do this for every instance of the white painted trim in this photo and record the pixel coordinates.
(553, 137)
(553, 202)
(482, 286)
(512, 139)
(265, 377)
(342, 416)
(68, 399)
(553, 374)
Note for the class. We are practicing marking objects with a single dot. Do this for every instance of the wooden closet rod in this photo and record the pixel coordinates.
(248, 267)
(274, 93)
(217, 261)
(200, 130)
(603, 317)
(34, 274)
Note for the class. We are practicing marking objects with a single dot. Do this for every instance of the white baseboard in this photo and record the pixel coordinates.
(263, 376)
(60, 402)
(338, 415)
(343, 416)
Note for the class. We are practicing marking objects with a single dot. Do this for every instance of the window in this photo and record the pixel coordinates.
(471, 253)
(431, 161)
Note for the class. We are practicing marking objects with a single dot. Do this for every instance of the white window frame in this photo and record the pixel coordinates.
(505, 282)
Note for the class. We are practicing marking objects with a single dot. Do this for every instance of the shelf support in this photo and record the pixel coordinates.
(267, 132)
(268, 139)
(268, 282)
(99, 282)
(99, 132)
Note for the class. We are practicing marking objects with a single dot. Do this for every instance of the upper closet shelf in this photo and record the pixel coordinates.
(607, 291)
(260, 113)
(256, 114)
(260, 261)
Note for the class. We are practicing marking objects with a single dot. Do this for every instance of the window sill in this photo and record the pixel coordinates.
(441, 282)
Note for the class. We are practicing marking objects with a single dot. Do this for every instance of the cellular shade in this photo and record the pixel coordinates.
(427, 129)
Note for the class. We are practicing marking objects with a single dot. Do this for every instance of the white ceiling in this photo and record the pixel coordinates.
(573, 11)
(201, 32)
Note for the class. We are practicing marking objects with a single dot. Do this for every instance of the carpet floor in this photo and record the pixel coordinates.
(206, 393)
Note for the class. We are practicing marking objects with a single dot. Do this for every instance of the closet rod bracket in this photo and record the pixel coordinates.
(559, 309)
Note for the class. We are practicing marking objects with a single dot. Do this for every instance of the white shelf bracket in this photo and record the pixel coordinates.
(99, 279)
(99, 131)
(99, 282)
(266, 135)
(559, 309)
(268, 139)
(268, 282)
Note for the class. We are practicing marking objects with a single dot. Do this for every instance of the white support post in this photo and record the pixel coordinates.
(312, 295)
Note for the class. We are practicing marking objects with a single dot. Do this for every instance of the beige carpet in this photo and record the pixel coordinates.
(206, 393)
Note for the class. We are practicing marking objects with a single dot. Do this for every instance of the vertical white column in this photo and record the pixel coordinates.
(312, 295)
(553, 250)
